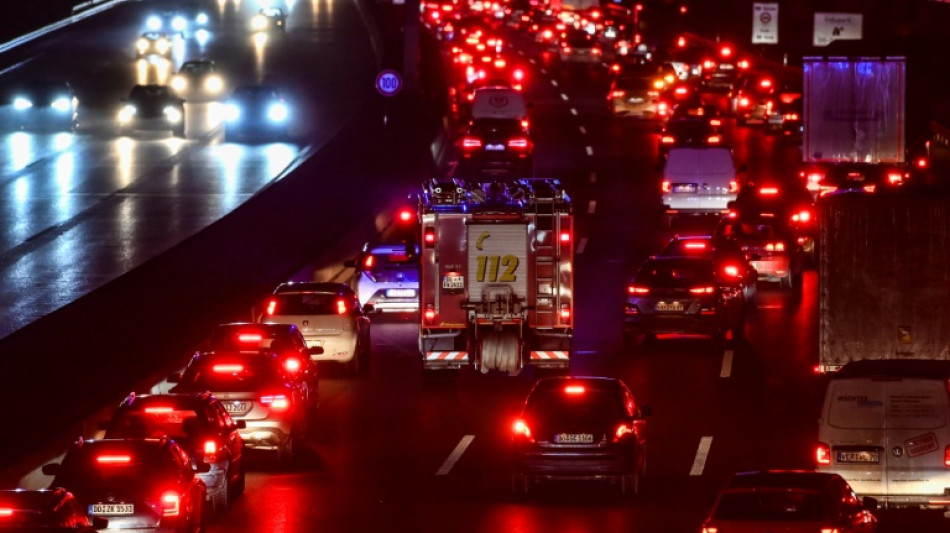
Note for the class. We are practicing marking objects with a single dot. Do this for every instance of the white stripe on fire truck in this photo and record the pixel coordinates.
(549, 355)
(446, 356)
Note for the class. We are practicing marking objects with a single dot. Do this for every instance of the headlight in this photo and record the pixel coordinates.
(154, 23)
(231, 112)
(179, 23)
(162, 45)
(259, 23)
(179, 83)
(277, 113)
(202, 19)
(214, 84)
(141, 45)
(172, 114)
(20, 103)
(62, 104)
(126, 114)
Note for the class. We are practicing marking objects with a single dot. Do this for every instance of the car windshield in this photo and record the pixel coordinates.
(120, 468)
(784, 505)
(750, 230)
(634, 83)
(255, 94)
(580, 39)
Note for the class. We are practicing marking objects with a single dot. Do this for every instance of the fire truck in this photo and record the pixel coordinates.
(496, 282)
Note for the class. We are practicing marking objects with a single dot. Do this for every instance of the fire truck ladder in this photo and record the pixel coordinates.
(543, 200)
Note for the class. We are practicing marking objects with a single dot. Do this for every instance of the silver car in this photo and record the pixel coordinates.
(329, 315)
(387, 276)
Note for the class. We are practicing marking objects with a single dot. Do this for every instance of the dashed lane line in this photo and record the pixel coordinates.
(581, 246)
(574, 111)
(591, 207)
(726, 364)
(589, 150)
(564, 97)
(593, 177)
(554, 83)
(455, 455)
(699, 463)
(583, 130)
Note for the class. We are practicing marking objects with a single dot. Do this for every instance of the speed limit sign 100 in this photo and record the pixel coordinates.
(388, 82)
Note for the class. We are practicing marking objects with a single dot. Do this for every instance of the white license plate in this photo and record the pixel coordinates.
(669, 306)
(453, 282)
(859, 457)
(235, 408)
(111, 508)
(684, 187)
(400, 293)
(495, 147)
(574, 438)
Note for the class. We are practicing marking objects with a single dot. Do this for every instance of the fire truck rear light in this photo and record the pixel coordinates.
(822, 454)
(733, 186)
(870, 188)
(565, 312)
(518, 74)
(666, 186)
(428, 236)
(565, 237)
(681, 90)
(802, 216)
(743, 102)
(775, 247)
(618, 93)
(524, 124)
(430, 314)
(765, 83)
(790, 117)
(715, 122)
(500, 63)
(171, 503)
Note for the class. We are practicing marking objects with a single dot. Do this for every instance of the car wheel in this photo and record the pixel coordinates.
(285, 454)
(240, 483)
(520, 485)
(353, 366)
(222, 500)
(630, 484)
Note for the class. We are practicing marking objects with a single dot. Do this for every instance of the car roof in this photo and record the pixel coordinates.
(596, 382)
(389, 248)
(313, 286)
(781, 479)
(895, 368)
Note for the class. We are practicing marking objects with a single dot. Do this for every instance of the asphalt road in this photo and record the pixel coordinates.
(380, 456)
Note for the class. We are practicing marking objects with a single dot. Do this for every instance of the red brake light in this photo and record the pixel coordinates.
(271, 306)
(895, 178)
(617, 93)
(666, 186)
(277, 402)
(733, 186)
(693, 245)
(743, 64)
(524, 123)
(565, 313)
(713, 139)
(731, 270)
(518, 74)
(158, 410)
(946, 456)
(368, 262)
(667, 139)
(709, 64)
(790, 116)
(429, 236)
(430, 314)
(171, 503)
(227, 368)
(210, 447)
(470, 143)
(681, 42)
(725, 51)
(574, 390)
(341, 307)
(681, 90)
(5, 512)
(870, 188)
(565, 237)
(703, 290)
(500, 63)
(636, 289)
(822, 454)
(921, 162)
(114, 459)
(405, 215)
(521, 430)
(768, 191)
(292, 365)
(715, 122)
(253, 338)
(743, 102)
(765, 83)
(622, 431)
(519, 143)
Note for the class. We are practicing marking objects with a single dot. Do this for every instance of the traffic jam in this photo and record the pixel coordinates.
(473, 294)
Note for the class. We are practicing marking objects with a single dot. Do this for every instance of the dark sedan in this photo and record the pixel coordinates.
(256, 112)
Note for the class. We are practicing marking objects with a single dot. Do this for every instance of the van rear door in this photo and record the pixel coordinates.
(916, 437)
(854, 429)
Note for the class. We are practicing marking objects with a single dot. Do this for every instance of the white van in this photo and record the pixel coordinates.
(884, 428)
(699, 180)
(499, 102)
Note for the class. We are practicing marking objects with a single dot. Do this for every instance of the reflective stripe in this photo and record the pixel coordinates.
(550, 355)
(446, 356)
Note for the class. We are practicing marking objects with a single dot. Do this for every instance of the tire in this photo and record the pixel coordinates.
(354, 366)
(520, 485)
(285, 455)
(630, 485)
(222, 500)
(240, 484)
(788, 282)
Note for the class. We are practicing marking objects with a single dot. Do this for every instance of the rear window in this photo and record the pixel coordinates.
(236, 375)
(675, 273)
(590, 406)
(83, 470)
(306, 304)
(502, 127)
(156, 421)
(876, 404)
(634, 84)
(771, 506)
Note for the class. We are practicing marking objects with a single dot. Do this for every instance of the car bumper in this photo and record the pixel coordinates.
(574, 464)
(215, 480)
(645, 109)
(266, 435)
(151, 124)
(697, 204)
(341, 348)
(773, 269)
(685, 324)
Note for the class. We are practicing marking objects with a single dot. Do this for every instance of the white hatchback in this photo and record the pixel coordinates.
(699, 180)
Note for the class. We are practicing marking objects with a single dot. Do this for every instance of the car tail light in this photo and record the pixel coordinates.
(518, 74)
(519, 143)
(731, 271)
(694, 245)
(765, 83)
(681, 42)
(666, 186)
(659, 84)
(596, 51)
(869, 188)
(250, 338)
(547, 34)
(428, 236)
(822, 454)
(637, 289)
(768, 191)
(790, 117)
(713, 139)
(341, 307)
(210, 447)
(710, 529)
(521, 430)
(565, 237)
(662, 109)
(368, 262)
(725, 51)
(921, 162)
(802, 216)
(114, 459)
(227, 368)
(743, 102)
(575, 390)
(271, 307)
(565, 313)
(171, 503)
(500, 63)
(471, 143)
(703, 290)
(946, 456)
(744, 64)
(715, 122)
(524, 124)
(895, 178)
(775, 247)
(709, 64)
(680, 91)
(276, 402)
(622, 431)
(6, 512)
(618, 93)
(292, 365)
(733, 186)
(158, 410)
(430, 315)
(667, 139)
(829, 530)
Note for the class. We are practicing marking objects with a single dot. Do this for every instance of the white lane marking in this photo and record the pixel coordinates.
(564, 97)
(543, 71)
(593, 177)
(520, 52)
(81, 12)
(589, 150)
(591, 207)
(581, 246)
(699, 463)
(554, 83)
(532, 61)
(583, 130)
(573, 111)
(16, 66)
(726, 364)
(455, 455)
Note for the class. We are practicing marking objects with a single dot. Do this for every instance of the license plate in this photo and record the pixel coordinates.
(669, 306)
(495, 147)
(111, 508)
(684, 187)
(453, 282)
(400, 293)
(574, 438)
(636, 100)
(235, 408)
(859, 457)
(726, 66)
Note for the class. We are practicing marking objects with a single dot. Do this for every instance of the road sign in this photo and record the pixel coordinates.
(765, 23)
(388, 82)
(836, 27)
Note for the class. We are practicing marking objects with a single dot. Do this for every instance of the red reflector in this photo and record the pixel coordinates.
(158, 410)
(250, 337)
(227, 369)
(210, 447)
(725, 51)
(713, 139)
(574, 389)
(114, 459)
(271, 307)
(822, 454)
(341, 306)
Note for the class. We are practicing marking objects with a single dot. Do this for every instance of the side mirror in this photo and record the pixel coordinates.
(369, 308)
(350, 263)
(240, 424)
(645, 411)
(174, 378)
(100, 522)
(870, 503)
(51, 469)
(315, 350)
